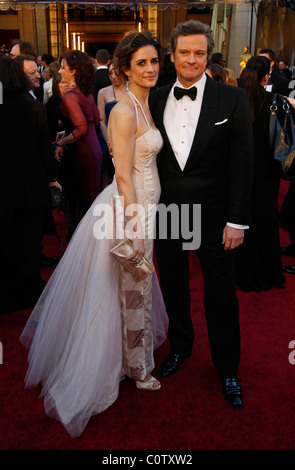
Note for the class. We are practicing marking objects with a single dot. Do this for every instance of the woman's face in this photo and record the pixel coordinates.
(63, 87)
(113, 77)
(144, 67)
(67, 74)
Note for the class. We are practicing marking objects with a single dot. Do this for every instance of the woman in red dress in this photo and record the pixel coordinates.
(83, 154)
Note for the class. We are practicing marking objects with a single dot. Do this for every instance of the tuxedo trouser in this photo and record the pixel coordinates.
(220, 300)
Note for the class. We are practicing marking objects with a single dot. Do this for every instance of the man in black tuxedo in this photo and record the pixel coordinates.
(207, 159)
(102, 78)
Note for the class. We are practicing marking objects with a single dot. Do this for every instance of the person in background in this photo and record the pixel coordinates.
(107, 98)
(230, 77)
(218, 58)
(47, 87)
(216, 72)
(258, 260)
(282, 66)
(28, 170)
(277, 82)
(81, 119)
(54, 115)
(30, 67)
(22, 47)
(102, 78)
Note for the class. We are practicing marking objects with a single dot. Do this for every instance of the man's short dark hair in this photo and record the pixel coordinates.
(217, 57)
(192, 27)
(270, 52)
(47, 58)
(102, 56)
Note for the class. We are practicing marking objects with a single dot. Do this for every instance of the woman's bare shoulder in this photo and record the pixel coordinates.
(123, 113)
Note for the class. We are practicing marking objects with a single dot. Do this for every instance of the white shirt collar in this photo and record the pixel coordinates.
(33, 94)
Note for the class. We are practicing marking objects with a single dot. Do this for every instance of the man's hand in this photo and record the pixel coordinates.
(232, 237)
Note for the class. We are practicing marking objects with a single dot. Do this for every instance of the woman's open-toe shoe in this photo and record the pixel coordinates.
(149, 385)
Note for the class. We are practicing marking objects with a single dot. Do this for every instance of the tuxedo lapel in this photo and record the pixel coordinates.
(206, 122)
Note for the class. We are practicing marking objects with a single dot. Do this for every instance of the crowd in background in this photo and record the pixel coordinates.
(55, 116)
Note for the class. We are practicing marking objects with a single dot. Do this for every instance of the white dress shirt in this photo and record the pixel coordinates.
(180, 121)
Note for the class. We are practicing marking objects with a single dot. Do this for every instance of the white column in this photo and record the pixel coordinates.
(240, 32)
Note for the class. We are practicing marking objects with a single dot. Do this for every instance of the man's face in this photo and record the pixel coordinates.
(190, 58)
(15, 51)
(281, 65)
(31, 70)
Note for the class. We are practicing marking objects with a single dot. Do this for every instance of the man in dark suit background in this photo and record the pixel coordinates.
(207, 159)
(28, 170)
(277, 81)
(102, 79)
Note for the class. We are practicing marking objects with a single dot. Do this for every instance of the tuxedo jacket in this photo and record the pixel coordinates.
(219, 170)
(102, 80)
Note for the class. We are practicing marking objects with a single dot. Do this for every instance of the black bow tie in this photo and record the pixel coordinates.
(180, 92)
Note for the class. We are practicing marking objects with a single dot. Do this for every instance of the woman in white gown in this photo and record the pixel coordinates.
(93, 322)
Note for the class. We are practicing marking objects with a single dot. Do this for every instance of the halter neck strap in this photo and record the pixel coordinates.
(135, 101)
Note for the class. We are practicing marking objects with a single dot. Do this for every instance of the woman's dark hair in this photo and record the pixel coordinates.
(192, 27)
(56, 79)
(12, 76)
(217, 72)
(256, 69)
(85, 73)
(131, 43)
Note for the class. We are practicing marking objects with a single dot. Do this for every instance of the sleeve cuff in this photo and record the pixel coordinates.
(241, 227)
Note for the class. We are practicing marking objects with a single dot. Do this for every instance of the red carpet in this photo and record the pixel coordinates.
(189, 413)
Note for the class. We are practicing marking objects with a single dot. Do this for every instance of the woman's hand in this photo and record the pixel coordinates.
(58, 153)
(138, 251)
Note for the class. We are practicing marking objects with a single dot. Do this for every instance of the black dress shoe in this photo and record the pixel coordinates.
(48, 261)
(289, 269)
(171, 364)
(232, 391)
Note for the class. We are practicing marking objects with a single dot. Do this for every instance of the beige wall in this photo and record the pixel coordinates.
(24, 22)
